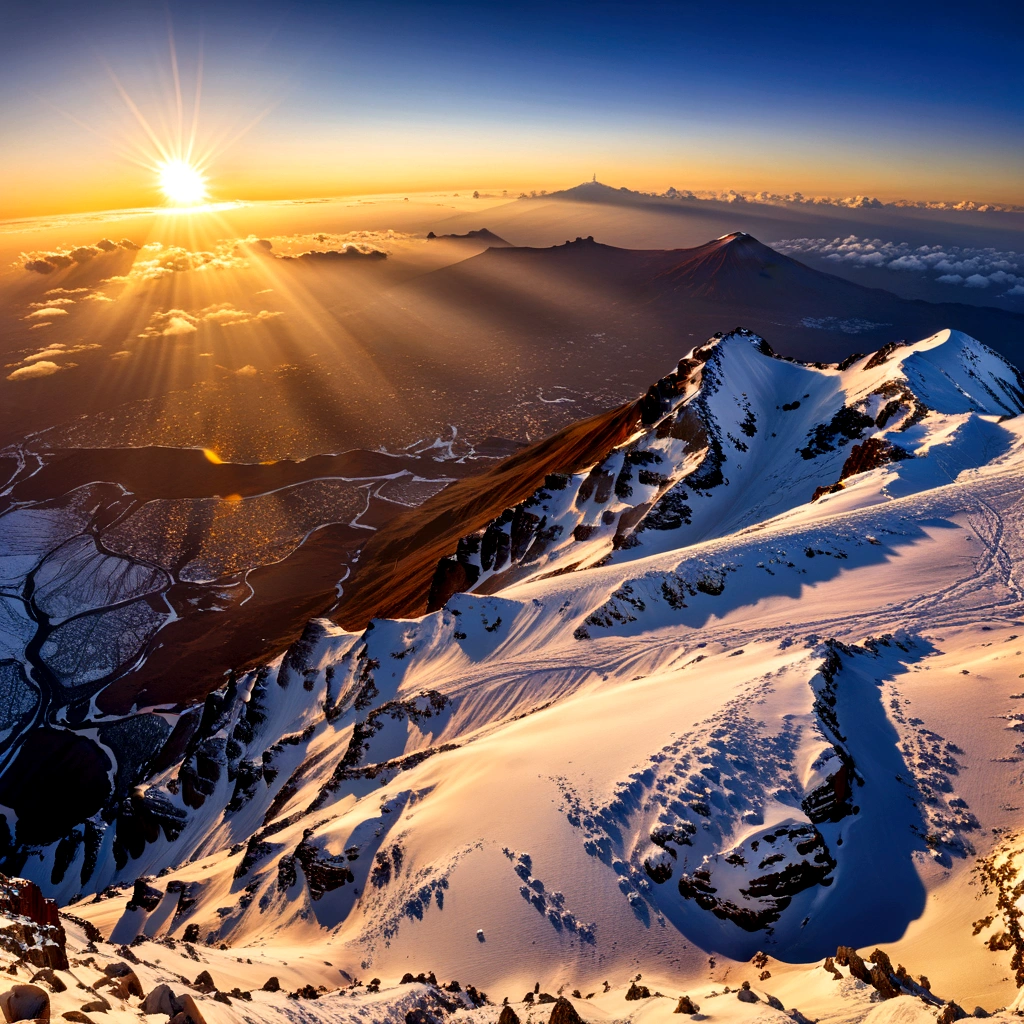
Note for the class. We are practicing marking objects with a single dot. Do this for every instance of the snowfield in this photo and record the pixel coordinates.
(749, 689)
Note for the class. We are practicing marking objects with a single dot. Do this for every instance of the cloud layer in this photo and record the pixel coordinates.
(176, 322)
(48, 262)
(1001, 272)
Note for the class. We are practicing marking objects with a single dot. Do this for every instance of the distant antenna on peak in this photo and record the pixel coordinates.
(595, 176)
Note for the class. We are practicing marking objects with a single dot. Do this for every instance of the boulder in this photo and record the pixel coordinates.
(949, 1013)
(686, 1005)
(563, 1012)
(204, 982)
(52, 980)
(546, 997)
(190, 1008)
(638, 992)
(77, 1017)
(122, 981)
(160, 1000)
(746, 995)
(273, 985)
(25, 1002)
(775, 1003)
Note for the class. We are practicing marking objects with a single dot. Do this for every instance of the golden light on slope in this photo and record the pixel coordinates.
(183, 184)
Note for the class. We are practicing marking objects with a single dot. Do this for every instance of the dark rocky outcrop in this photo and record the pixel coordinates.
(25, 1002)
(686, 1005)
(563, 1012)
(636, 991)
(746, 994)
(508, 1015)
(34, 932)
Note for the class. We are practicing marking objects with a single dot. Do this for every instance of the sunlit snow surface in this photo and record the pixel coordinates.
(784, 726)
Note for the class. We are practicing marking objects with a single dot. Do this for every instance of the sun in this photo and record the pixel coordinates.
(183, 184)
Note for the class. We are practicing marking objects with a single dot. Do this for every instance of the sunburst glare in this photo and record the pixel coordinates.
(181, 183)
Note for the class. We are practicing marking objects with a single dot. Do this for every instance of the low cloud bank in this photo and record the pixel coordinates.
(58, 259)
(1000, 271)
(172, 323)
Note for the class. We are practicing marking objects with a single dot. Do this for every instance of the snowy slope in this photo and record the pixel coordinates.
(751, 734)
(736, 435)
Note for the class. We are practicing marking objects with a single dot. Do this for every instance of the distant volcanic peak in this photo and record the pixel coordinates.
(479, 235)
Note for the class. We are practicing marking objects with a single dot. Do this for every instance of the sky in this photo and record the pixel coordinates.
(895, 100)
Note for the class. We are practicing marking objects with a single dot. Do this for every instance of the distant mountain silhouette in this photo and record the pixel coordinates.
(480, 235)
(597, 192)
(733, 279)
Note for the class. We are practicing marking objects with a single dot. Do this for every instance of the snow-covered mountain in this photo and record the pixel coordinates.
(742, 685)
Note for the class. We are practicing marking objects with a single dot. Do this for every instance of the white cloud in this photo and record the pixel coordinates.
(956, 265)
(38, 314)
(246, 371)
(43, 369)
(179, 321)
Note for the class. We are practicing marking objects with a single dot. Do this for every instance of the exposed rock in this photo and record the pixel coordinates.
(160, 1000)
(746, 995)
(34, 931)
(980, 1011)
(830, 966)
(273, 985)
(686, 1005)
(638, 992)
(190, 1008)
(77, 1017)
(883, 983)
(563, 1012)
(122, 980)
(48, 976)
(508, 1016)
(775, 1003)
(191, 933)
(847, 957)
(950, 1012)
(25, 1002)
(546, 997)
(145, 896)
(204, 982)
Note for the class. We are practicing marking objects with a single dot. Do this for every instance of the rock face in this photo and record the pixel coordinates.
(508, 1016)
(34, 930)
(25, 1002)
(563, 1012)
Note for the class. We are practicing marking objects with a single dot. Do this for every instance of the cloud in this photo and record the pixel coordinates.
(226, 315)
(65, 291)
(156, 260)
(51, 302)
(955, 265)
(122, 354)
(38, 314)
(43, 369)
(97, 297)
(48, 262)
(350, 245)
(179, 321)
(246, 371)
(45, 323)
(1017, 289)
